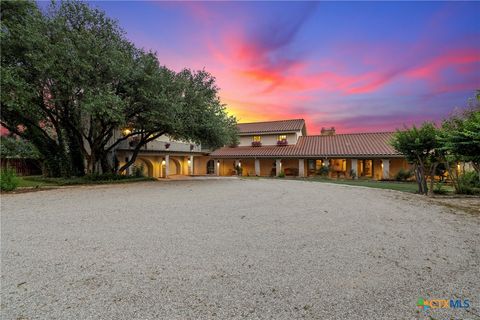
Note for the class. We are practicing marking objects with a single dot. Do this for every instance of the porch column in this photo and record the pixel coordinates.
(167, 165)
(217, 167)
(191, 166)
(354, 165)
(257, 167)
(301, 167)
(385, 168)
(278, 167)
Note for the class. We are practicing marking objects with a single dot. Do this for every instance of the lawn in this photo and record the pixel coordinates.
(43, 182)
(392, 185)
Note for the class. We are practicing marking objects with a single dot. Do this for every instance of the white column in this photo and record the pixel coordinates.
(385, 168)
(354, 167)
(217, 167)
(167, 165)
(191, 165)
(278, 167)
(257, 167)
(301, 167)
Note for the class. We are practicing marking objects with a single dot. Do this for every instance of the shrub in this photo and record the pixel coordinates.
(323, 171)
(8, 180)
(352, 174)
(439, 189)
(403, 175)
(468, 183)
(138, 171)
(239, 170)
(105, 177)
(281, 174)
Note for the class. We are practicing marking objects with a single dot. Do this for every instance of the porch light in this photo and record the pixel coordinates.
(163, 162)
(188, 161)
(126, 131)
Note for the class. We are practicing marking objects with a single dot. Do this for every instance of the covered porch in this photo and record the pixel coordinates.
(164, 165)
(363, 168)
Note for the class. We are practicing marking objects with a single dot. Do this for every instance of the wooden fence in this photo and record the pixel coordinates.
(23, 167)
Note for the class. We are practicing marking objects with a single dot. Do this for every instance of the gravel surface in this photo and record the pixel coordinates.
(234, 249)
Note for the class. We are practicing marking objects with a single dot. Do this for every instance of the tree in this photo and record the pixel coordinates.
(23, 109)
(420, 147)
(17, 148)
(460, 136)
(71, 81)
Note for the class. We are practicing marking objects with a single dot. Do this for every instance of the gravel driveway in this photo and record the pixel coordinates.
(234, 249)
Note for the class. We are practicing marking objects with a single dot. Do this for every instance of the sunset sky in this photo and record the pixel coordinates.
(356, 66)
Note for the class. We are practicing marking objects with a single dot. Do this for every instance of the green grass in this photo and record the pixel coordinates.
(43, 182)
(411, 187)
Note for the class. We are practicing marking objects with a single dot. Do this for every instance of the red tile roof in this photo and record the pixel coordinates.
(340, 145)
(354, 144)
(271, 126)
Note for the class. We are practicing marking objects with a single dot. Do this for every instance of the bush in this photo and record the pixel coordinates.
(468, 183)
(352, 174)
(439, 189)
(281, 174)
(138, 171)
(403, 175)
(8, 180)
(323, 171)
(105, 177)
(239, 170)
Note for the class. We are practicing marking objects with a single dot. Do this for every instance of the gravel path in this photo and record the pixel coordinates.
(234, 249)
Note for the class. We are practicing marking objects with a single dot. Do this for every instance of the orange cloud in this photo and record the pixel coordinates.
(457, 59)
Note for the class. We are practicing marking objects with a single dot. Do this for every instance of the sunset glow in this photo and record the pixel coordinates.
(356, 66)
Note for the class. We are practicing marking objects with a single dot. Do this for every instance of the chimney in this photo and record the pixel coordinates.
(327, 131)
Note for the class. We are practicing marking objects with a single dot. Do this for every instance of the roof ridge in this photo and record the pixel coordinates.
(284, 120)
(345, 134)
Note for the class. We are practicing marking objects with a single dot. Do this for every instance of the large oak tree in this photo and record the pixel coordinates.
(71, 80)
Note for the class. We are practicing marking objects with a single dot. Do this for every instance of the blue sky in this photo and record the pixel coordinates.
(358, 66)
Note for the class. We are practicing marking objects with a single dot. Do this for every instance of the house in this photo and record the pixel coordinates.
(273, 147)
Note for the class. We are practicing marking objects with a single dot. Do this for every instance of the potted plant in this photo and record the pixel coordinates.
(167, 145)
(256, 144)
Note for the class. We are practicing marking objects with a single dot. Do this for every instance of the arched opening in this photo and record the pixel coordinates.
(210, 167)
(175, 167)
(144, 165)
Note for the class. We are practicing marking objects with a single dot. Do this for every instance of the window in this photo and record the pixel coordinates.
(282, 137)
(257, 139)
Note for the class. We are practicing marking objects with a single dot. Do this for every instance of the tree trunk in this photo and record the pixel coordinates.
(433, 168)
(418, 179)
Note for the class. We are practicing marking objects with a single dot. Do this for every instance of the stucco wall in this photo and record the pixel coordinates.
(200, 165)
(268, 139)
(266, 166)
(396, 165)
